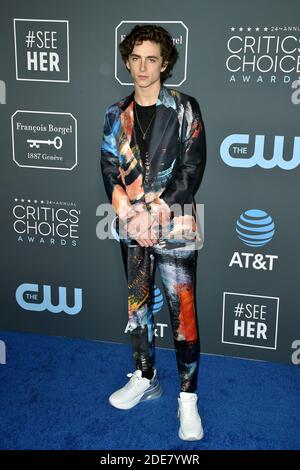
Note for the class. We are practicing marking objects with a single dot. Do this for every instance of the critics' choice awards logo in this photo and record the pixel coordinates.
(42, 50)
(263, 54)
(37, 298)
(255, 228)
(238, 150)
(47, 223)
(179, 33)
(45, 140)
(250, 320)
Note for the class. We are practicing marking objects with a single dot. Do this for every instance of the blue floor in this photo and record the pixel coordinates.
(54, 396)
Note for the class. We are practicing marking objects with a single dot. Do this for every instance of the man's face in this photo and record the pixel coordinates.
(145, 63)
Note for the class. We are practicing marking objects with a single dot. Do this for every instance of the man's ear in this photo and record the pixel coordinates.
(127, 65)
(164, 66)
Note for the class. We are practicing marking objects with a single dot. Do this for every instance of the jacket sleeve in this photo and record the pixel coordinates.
(114, 186)
(190, 168)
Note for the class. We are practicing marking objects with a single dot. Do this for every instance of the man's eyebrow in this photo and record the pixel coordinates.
(148, 56)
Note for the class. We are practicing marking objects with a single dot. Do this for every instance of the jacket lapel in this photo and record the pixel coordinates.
(161, 121)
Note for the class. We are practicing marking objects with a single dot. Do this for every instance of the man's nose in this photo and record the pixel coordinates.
(143, 64)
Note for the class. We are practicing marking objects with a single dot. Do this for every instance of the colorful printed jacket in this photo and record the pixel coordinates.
(177, 154)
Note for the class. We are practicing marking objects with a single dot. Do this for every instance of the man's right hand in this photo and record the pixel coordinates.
(143, 228)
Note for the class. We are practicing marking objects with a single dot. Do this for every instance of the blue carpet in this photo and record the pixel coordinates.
(54, 396)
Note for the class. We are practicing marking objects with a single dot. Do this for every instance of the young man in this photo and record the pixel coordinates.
(152, 160)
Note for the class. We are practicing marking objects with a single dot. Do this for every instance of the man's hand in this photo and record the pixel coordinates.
(162, 214)
(143, 228)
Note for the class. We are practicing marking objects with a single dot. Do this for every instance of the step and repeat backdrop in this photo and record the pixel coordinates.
(62, 268)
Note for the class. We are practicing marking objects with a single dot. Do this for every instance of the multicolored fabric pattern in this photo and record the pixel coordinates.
(177, 156)
(177, 271)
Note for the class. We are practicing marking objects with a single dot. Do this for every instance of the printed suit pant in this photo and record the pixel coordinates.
(177, 269)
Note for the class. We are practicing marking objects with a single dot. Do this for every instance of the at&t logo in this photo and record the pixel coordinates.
(255, 228)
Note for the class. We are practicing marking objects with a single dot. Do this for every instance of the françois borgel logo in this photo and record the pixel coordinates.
(42, 50)
(255, 228)
(45, 140)
(40, 298)
(250, 320)
(46, 223)
(179, 33)
(263, 54)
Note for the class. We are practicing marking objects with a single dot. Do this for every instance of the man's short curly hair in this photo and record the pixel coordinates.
(149, 32)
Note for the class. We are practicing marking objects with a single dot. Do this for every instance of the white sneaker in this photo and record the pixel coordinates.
(136, 390)
(190, 421)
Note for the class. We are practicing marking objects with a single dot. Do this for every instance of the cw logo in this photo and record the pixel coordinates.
(27, 298)
(235, 142)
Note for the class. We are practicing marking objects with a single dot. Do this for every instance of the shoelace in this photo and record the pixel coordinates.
(190, 407)
(134, 380)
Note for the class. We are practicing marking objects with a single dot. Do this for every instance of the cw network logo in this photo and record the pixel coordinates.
(156, 305)
(39, 298)
(235, 152)
(255, 228)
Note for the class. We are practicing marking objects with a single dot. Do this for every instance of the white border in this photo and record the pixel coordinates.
(43, 167)
(250, 295)
(147, 22)
(16, 55)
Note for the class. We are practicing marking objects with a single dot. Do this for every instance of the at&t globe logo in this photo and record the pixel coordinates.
(255, 227)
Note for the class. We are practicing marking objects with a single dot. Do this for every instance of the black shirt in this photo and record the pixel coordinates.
(145, 114)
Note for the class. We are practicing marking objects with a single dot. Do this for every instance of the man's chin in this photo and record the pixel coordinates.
(143, 83)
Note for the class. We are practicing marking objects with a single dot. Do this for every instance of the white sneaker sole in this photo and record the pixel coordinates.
(192, 438)
(146, 396)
